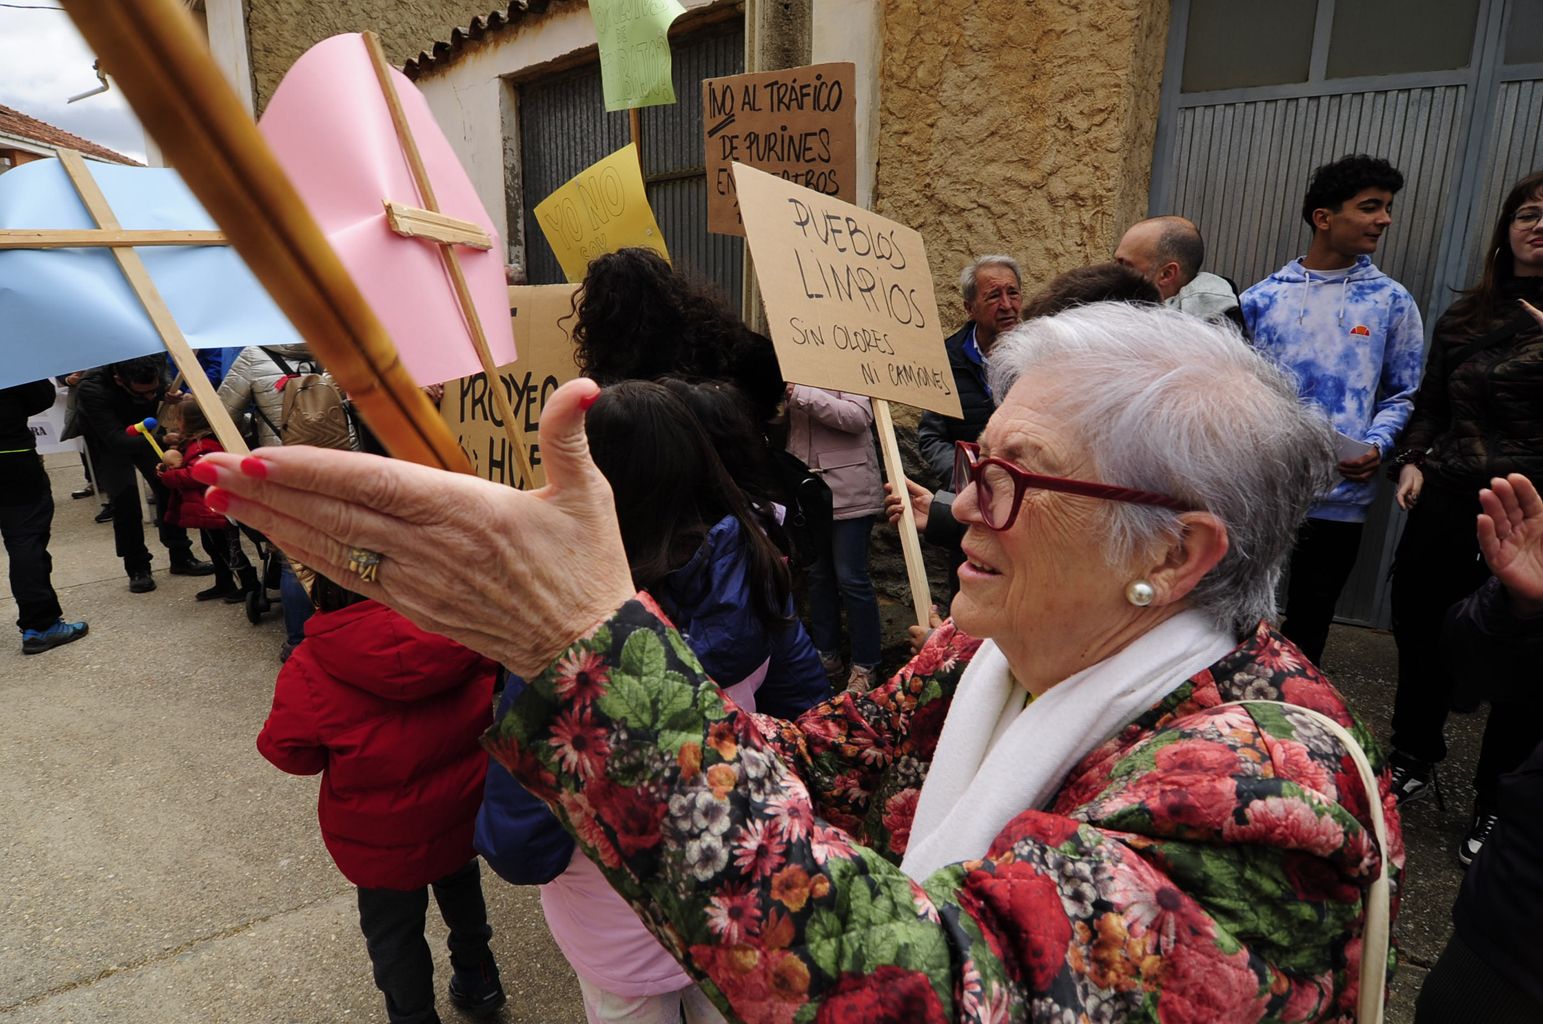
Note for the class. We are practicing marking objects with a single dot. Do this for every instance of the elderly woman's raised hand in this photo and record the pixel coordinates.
(515, 575)
(1511, 539)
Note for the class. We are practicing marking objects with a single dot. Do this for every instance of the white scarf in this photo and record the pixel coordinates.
(996, 758)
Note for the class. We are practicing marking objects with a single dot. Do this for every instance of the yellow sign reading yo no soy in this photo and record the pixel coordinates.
(602, 209)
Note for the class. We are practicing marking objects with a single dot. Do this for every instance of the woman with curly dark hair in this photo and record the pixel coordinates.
(639, 319)
(1475, 417)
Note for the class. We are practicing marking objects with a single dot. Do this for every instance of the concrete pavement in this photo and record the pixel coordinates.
(153, 868)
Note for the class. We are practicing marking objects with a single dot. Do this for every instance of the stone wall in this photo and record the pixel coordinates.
(279, 31)
(1020, 126)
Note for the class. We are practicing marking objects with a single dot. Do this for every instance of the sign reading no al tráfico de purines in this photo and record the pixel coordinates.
(798, 123)
(849, 299)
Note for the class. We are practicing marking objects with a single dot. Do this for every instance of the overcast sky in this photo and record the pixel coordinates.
(43, 62)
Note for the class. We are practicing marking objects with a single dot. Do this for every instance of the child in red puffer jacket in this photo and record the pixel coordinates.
(186, 508)
(390, 716)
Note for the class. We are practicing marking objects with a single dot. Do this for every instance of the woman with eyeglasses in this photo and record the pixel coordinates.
(1478, 415)
(1055, 811)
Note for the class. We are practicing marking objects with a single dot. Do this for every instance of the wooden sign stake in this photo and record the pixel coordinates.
(910, 543)
(150, 297)
(42, 238)
(449, 256)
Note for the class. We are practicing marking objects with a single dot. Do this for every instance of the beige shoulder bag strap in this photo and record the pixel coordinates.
(1374, 940)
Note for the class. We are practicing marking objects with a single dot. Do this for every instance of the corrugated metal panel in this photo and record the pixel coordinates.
(1242, 169)
(564, 128)
(672, 149)
(1515, 151)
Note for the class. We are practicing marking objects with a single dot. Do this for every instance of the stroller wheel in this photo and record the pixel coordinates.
(256, 604)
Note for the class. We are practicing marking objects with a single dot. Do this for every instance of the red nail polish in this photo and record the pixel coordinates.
(203, 472)
(589, 400)
(254, 467)
(217, 500)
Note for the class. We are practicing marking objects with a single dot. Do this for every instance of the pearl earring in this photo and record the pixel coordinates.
(1140, 593)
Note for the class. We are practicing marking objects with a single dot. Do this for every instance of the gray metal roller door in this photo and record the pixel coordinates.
(1237, 160)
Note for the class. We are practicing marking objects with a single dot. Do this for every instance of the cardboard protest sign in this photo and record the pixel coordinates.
(848, 295)
(635, 51)
(799, 124)
(538, 315)
(601, 210)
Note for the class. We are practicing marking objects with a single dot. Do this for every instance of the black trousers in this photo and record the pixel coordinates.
(26, 527)
(1437, 565)
(1464, 989)
(129, 531)
(223, 547)
(392, 922)
(1321, 561)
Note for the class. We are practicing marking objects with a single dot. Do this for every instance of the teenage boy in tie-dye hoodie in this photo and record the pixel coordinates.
(1352, 335)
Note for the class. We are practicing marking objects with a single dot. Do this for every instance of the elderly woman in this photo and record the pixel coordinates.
(1068, 819)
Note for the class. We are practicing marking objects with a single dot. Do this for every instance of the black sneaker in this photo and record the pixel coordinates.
(191, 567)
(140, 582)
(83, 492)
(1478, 833)
(224, 590)
(106, 515)
(1412, 778)
(480, 994)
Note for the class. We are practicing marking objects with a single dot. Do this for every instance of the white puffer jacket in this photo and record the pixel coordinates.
(254, 377)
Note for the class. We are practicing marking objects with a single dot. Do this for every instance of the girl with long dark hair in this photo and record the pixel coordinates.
(1478, 415)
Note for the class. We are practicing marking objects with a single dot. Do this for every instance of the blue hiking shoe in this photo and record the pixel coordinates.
(36, 641)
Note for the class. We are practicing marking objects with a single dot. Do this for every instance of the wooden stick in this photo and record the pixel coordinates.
(451, 259)
(635, 125)
(177, 381)
(17, 238)
(150, 297)
(161, 62)
(910, 543)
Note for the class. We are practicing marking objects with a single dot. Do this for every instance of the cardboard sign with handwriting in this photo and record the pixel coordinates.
(849, 298)
(541, 315)
(602, 209)
(799, 124)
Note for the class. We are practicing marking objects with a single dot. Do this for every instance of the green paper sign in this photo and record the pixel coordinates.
(635, 51)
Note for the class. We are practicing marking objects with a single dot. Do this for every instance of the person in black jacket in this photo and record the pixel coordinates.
(1475, 417)
(26, 516)
(1489, 969)
(110, 400)
(992, 288)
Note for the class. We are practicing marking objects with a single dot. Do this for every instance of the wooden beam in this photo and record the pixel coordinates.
(411, 222)
(910, 543)
(100, 238)
(150, 297)
(450, 258)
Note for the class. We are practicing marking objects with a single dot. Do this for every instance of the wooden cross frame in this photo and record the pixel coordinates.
(111, 235)
(445, 233)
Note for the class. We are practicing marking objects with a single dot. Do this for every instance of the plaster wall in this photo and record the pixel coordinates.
(279, 31)
(1018, 126)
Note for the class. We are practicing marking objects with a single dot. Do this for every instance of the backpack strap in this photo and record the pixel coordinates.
(1375, 938)
(283, 364)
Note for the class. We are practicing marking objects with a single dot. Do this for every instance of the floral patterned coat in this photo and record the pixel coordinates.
(1206, 864)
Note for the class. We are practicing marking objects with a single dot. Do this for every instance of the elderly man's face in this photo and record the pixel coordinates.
(1041, 589)
(998, 301)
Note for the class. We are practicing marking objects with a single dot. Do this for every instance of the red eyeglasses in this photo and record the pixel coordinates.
(1000, 487)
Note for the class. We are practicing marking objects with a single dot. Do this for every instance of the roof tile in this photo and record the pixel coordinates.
(23, 126)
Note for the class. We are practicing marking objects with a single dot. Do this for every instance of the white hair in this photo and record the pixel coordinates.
(1167, 402)
(967, 283)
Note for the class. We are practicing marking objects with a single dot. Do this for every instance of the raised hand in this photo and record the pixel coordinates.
(515, 575)
(1511, 540)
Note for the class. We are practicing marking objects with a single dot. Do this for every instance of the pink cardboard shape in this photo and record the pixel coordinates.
(331, 129)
